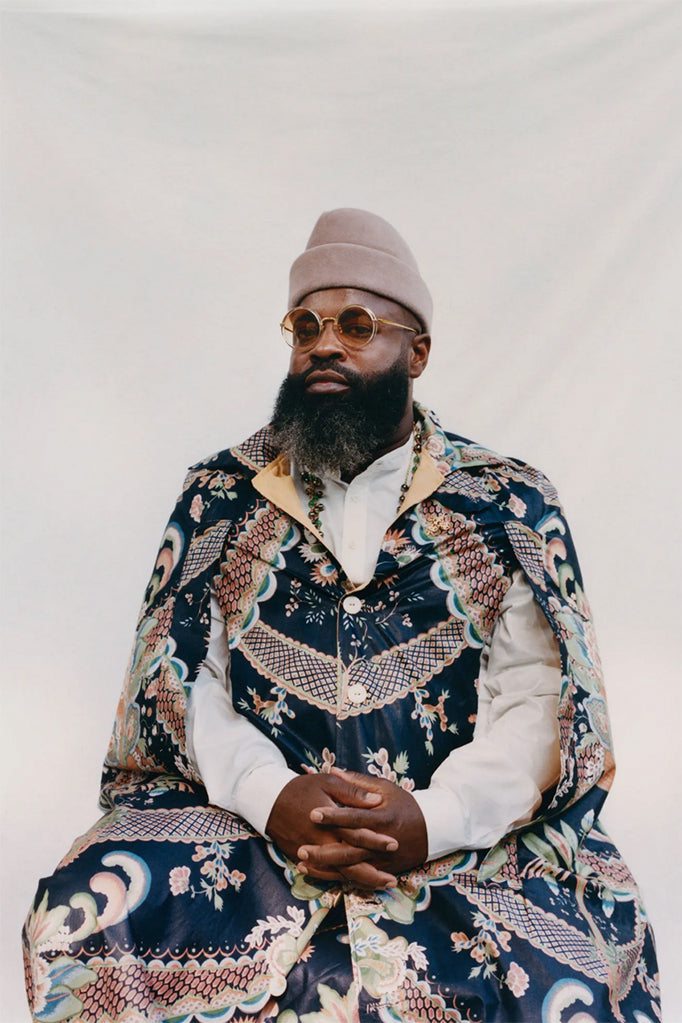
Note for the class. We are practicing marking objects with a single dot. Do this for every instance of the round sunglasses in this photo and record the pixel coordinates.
(355, 326)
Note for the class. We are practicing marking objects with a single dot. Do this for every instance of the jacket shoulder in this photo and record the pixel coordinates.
(244, 459)
(513, 473)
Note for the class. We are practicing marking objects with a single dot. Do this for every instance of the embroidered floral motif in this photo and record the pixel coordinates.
(270, 710)
(322, 765)
(196, 508)
(313, 551)
(517, 980)
(336, 1008)
(291, 924)
(217, 876)
(324, 573)
(517, 506)
(378, 764)
(54, 980)
(427, 713)
(178, 880)
(308, 600)
(484, 947)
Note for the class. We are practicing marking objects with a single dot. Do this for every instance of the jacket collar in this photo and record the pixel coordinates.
(274, 481)
(442, 455)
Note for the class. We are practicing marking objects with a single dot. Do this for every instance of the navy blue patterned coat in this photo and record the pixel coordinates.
(170, 908)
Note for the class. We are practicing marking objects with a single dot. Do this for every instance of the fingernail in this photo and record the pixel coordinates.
(316, 815)
(372, 797)
(303, 854)
(391, 846)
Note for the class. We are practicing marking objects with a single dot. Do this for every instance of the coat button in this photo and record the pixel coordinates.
(357, 693)
(352, 605)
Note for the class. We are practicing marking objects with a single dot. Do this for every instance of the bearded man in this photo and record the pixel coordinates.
(363, 744)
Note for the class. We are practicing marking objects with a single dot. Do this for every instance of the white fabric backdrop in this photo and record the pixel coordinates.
(160, 172)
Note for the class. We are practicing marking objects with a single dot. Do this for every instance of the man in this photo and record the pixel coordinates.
(358, 762)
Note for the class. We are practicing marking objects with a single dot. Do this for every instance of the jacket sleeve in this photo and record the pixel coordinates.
(542, 543)
(242, 769)
(171, 640)
(493, 784)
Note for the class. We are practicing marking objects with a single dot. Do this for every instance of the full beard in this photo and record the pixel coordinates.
(328, 433)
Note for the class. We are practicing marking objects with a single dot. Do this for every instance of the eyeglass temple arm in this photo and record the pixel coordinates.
(390, 323)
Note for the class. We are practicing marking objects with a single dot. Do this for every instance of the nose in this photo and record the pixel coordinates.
(328, 344)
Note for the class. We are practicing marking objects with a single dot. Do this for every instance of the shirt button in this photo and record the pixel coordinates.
(357, 693)
(352, 605)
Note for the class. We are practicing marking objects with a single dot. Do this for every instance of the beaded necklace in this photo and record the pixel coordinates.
(314, 487)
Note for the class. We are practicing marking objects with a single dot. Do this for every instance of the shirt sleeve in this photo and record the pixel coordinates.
(242, 769)
(495, 783)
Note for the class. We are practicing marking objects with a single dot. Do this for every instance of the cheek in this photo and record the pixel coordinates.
(297, 363)
(392, 358)
(377, 357)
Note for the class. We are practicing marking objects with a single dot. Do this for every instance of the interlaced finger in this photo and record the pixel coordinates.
(332, 854)
(349, 793)
(367, 876)
(365, 838)
(351, 817)
(361, 875)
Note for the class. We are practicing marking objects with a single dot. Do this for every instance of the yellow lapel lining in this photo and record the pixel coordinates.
(425, 481)
(275, 483)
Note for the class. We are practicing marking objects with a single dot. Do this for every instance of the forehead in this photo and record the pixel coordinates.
(330, 301)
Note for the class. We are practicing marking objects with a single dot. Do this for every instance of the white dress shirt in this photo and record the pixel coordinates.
(481, 790)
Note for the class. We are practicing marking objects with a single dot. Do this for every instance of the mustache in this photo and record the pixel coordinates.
(350, 375)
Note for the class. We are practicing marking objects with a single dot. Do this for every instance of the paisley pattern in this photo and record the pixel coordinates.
(170, 909)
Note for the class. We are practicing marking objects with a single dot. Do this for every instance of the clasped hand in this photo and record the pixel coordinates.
(349, 826)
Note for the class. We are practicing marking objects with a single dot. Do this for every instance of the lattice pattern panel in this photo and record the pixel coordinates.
(528, 549)
(398, 671)
(203, 551)
(122, 988)
(527, 474)
(299, 668)
(186, 824)
(543, 930)
(256, 451)
(473, 487)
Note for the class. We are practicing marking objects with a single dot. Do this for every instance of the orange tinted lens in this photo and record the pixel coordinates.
(355, 325)
(303, 326)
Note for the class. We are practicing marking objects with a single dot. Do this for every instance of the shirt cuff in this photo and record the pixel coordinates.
(446, 824)
(257, 792)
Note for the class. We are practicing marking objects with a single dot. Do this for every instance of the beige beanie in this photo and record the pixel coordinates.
(356, 249)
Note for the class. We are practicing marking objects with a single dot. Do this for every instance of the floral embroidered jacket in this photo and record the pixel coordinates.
(193, 912)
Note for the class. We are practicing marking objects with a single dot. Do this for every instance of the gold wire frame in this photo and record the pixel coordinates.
(288, 334)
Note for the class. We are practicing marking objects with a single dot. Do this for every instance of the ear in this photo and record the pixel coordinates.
(420, 346)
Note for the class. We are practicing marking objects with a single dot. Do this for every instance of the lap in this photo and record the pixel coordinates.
(170, 907)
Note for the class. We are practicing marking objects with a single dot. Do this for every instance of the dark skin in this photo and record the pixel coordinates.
(348, 826)
(389, 344)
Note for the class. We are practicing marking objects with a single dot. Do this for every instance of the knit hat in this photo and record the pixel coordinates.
(355, 249)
